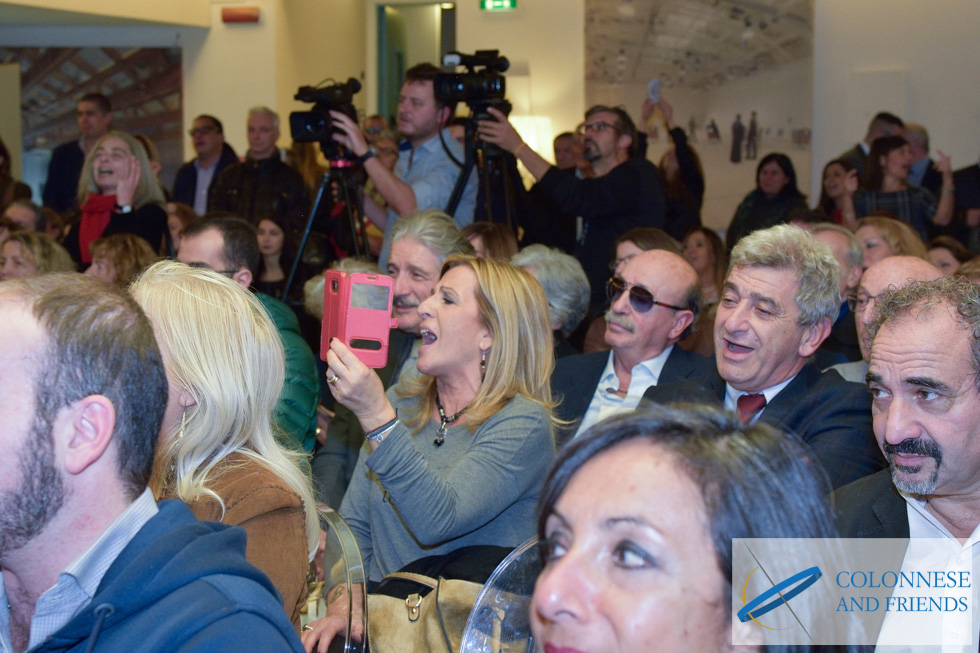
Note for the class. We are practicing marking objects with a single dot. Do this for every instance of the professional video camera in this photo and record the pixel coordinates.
(478, 89)
(316, 126)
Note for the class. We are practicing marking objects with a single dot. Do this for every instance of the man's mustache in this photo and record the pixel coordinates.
(621, 320)
(916, 447)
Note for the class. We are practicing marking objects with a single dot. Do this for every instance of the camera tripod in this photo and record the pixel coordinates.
(344, 175)
(497, 169)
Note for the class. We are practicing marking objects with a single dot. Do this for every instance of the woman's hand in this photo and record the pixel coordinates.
(322, 631)
(358, 387)
(129, 179)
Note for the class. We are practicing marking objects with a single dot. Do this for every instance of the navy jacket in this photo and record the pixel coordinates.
(575, 380)
(831, 415)
(185, 183)
(64, 171)
(181, 585)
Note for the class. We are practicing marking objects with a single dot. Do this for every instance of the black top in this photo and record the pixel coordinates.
(631, 195)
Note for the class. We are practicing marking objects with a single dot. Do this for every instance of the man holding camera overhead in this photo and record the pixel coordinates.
(425, 174)
(625, 193)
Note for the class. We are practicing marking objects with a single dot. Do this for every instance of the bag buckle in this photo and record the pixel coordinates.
(412, 603)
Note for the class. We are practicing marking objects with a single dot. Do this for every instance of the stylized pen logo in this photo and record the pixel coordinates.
(777, 595)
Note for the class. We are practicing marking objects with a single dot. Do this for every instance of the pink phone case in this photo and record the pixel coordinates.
(357, 311)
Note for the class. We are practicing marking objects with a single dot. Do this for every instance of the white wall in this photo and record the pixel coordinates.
(545, 43)
(229, 68)
(178, 12)
(10, 125)
(422, 44)
(933, 43)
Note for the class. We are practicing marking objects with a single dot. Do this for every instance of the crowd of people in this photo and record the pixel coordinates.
(817, 361)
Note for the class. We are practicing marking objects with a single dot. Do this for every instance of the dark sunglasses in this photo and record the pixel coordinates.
(640, 298)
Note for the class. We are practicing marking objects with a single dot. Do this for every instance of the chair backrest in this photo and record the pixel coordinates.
(500, 620)
(342, 563)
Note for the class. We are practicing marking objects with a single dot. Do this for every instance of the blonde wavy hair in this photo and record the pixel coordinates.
(220, 346)
(513, 307)
(48, 254)
(148, 190)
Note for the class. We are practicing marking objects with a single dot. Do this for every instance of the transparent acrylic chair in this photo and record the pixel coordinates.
(500, 620)
(342, 564)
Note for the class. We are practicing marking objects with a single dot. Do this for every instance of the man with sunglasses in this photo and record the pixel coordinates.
(777, 305)
(626, 192)
(194, 178)
(653, 303)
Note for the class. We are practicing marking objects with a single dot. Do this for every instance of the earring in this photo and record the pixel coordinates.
(183, 424)
(483, 365)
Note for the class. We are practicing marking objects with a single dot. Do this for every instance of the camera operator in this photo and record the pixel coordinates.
(625, 193)
(425, 174)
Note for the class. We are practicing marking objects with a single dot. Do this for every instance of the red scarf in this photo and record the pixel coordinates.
(96, 213)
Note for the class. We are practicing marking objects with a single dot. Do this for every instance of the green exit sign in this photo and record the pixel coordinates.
(498, 5)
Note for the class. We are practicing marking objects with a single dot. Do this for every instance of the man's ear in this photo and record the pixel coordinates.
(90, 423)
(243, 277)
(445, 113)
(813, 337)
(624, 142)
(682, 320)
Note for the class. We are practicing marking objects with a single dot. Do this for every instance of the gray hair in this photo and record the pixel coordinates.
(916, 133)
(785, 247)
(563, 280)
(436, 231)
(265, 111)
(955, 292)
(855, 256)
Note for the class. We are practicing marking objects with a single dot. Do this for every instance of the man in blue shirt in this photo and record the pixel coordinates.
(425, 174)
(89, 560)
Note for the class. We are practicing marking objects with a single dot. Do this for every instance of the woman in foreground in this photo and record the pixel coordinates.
(218, 450)
(645, 564)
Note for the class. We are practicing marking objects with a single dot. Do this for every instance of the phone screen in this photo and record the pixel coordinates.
(368, 296)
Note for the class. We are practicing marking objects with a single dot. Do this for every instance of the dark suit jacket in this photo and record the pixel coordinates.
(831, 415)
(932, 180)
(575, 380)
(185, 184)
(843, 339)
(967, 183)
(856, 157)
(871, 507)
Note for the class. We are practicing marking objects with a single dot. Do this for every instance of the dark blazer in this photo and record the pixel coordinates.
(967, 183)
(831, 415)
(871, 507)
(856, 157)
(185, 183)
(932, 180)
(575, 380)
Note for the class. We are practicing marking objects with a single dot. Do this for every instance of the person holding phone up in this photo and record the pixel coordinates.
(454, 457)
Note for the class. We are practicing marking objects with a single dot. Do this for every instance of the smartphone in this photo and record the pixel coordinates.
(357, 311)
(653, 89)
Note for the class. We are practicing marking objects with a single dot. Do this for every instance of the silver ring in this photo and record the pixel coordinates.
(333, 378)
(307, 628)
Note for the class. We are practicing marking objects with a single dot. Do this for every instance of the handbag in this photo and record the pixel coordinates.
(432, 618)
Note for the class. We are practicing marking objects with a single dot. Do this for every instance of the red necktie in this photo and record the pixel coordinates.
(749, 406)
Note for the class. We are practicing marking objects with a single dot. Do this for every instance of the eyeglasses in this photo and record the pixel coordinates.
(587, 127)
(202, 130)
(641, 299)
(860, 301)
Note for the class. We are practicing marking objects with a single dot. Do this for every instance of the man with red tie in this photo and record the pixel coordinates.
(777, 306)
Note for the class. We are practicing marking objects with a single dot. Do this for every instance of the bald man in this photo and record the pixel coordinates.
(888, 273)
(654, 301)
